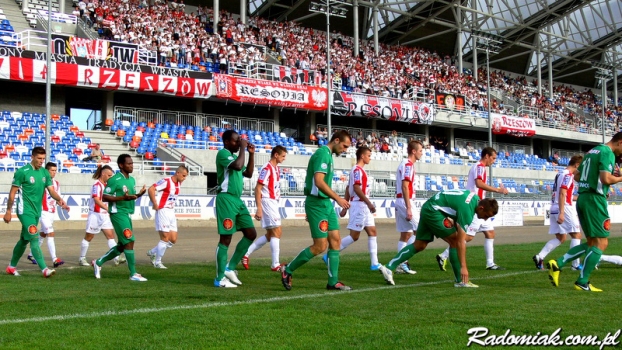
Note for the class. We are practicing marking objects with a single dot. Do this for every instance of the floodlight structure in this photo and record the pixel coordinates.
(489, 43)
(604, 73)
(329, 8)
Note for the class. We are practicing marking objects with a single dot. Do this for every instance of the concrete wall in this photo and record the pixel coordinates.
(28, 97)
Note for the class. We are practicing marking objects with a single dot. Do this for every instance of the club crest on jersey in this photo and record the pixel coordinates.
(227, 224)
(124, 188)
(107, 190)
(32, 180)
(448, 223)
(607, 224)
(127, 233)
(32, 229)
(324, 166)
(43, 179)
(323, 226)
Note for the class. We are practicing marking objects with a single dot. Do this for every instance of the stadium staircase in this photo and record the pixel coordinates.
(110, 145)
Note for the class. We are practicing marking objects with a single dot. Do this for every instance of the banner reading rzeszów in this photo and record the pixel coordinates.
(503, 124)
(272, 93)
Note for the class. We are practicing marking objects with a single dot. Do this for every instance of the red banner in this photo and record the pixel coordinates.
(371, 106)
(70, 74)
(511, 125)
(270, 93)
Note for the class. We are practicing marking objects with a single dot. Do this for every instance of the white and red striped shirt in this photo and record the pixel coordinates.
(358, 176)
(49, 203)
(563, 180)
(167, 192)
(270, 177)
(405, 172)
(97, 191)
(478, 171)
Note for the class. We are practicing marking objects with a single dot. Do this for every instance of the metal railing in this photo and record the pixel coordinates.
(499, 146)
(184, 118)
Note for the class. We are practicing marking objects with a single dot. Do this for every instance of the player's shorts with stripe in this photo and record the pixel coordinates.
(570, 224)
(401, 223)
(271, 218)
(47, 222)
(321, 216)
(96, 222)
(360, 216)
(432, 224)
(165, 220)
(122, 223)
(231, 213)
(593, 215)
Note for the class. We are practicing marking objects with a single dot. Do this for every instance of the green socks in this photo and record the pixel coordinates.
(221, 260)
(131, 261)
(572, 254)
(240, 250)
(333, 267)
(302, 258)
(111, 254)
(455, 264)
(406, 253)
(592, 258)
(19, 250)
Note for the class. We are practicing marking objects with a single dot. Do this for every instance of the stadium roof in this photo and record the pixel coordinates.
(576, 32)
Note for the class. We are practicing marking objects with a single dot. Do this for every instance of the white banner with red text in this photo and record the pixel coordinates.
(371, 106)
(70, 74)
(271, 93)
(511, 125)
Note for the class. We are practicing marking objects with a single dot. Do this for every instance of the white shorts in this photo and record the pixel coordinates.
(401, 223)
(96, 222)
(570, 224)
(271, 217)
(165, 220)
(46, 221)
(360, 216)
(480, 225)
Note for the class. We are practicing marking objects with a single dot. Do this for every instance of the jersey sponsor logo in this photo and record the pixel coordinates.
(610, 168)
(324, 166)
(32, 180)
(161, 182)
(227, 224)
(323, 226)
(127, 233)
(567, 181)
(407, 170)
(357, 175)
(32, 229)
(607, 225)
(448, 223)
(262, 175)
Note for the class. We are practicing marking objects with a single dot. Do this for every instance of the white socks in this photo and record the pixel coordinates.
(614, 259)
(411, 240)
(111, 243)
(490, 251)
(445, 254)
(345, 242)
(372, 245)
(276, 250)
(258, 243)
(160, 250)
(548, 247)
(400, 245)
(573, 243)
(84, 248)
(51, 247)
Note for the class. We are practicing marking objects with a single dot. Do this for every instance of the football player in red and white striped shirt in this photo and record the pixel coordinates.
(476, 183)
(163, 195)
(361, 208)
(564, 218)
(98, 219)
(406, 219)
(267, 196)
(47, 217)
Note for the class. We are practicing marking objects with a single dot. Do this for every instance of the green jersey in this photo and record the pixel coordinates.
(599, 158)
(117, 186)
(229, 180)
(32, 184)
(456, 204)
(321, 162)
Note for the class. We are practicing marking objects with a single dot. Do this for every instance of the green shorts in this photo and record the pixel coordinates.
(321, 216)
(122, 224)
(29, 227)
(432, 224)
(593, 215)
(232, 215)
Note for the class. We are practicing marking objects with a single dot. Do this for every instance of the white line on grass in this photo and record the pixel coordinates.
(234, 303)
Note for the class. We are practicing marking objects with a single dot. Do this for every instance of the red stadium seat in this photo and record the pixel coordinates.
(105, 159)
(29, 132)
(77, 151)
(3, 154)
(141, 129)
(151, 125)
(244, 137)
(55, 139)
(9, 148)
(22, 138)
(134, 145)
(109, 122)
(55, 117)
(92, 146)
(136, 139)
(80, 134)
(120, 133)
(74, 129)
(181, 137)
(149, 156)
(67, 164)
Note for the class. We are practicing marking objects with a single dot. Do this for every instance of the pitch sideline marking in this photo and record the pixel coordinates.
(234, 303)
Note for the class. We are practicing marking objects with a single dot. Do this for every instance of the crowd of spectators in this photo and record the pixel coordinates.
(182, 37)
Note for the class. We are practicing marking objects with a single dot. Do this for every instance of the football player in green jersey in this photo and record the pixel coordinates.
(30, 183)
